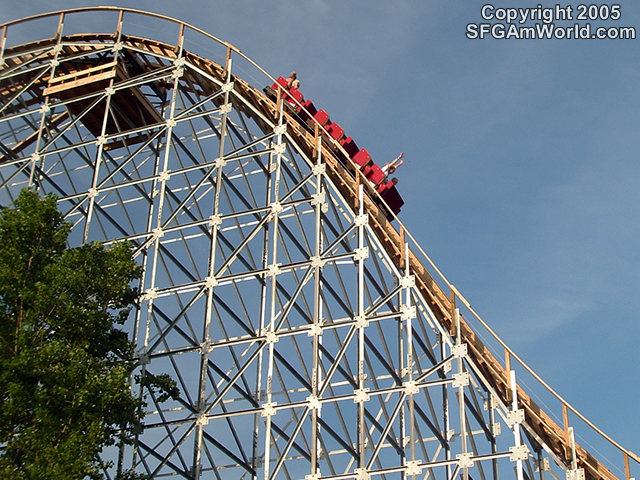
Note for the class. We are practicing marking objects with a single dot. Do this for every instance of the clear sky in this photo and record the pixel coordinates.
(522, 166)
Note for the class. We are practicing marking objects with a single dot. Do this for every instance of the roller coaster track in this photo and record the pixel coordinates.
(98, 119)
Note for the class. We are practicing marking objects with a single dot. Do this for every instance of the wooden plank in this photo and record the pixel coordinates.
(86, 71)
(79, 82)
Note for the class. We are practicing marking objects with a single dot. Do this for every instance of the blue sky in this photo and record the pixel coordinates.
(521, 178)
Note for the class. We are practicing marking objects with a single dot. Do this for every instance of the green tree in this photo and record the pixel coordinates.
(64, 363)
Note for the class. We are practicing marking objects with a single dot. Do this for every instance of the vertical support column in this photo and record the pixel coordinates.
(163, 174)
(409, 309)
(121, 450)
(45, 109)
(149, 262)
(404, 255)
(361, 324)
(446, 421)
(259, 393)
(3, 44)
(274, 167)
(507, 367)
(565, 421)
(453, 309)
(516, 426)
(157, 232)
(278, 111)
(541, 465)
(449, 432)
(149, 226)
(102, 140)
(211, 281)
(461, 384)
(491, 405)
(572, 445)
(627, 470)
(403, 371)
(227, 69)
(574, 473)
(446, 414)
(316, 379)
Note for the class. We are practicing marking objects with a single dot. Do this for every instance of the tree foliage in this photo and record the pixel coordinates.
(64, 362)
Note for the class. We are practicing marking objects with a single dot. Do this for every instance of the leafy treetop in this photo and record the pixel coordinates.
(65, 364)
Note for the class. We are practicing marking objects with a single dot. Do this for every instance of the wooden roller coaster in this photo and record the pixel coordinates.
(86, 67)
